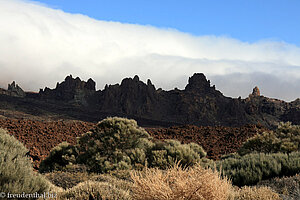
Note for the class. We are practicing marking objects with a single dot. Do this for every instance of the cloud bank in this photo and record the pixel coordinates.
(41, 45)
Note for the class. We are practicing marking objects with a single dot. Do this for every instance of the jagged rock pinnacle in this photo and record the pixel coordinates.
(15, 90)
(198, 82)
(256, 91)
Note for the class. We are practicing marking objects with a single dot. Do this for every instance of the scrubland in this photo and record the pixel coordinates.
(117, 159)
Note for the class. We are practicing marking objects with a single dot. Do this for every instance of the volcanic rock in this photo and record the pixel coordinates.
(198, 104)
(13, 90)
(198, 83)
(256, 92)
(132, 97)
(70, 90)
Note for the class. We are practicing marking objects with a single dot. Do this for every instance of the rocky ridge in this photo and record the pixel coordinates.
(198, 104)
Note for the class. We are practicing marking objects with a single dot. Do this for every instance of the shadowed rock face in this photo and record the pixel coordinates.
(72, 90)
(13, 90)
(198, 83)
(132, 97)
(198, 104)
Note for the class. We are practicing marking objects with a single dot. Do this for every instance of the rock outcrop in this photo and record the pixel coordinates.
(198, 83)
(255, 93)
(13, 90)
(71, 90)
(132, 97)
(198, 104)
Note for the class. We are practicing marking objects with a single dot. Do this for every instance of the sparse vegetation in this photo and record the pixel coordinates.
(285, 139)
(252, 168)
(16, 172)
(132, 165)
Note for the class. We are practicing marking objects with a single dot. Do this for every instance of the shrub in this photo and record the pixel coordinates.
(284, 139)
(120, 144)
(252, 168)
(256, 193)
(167, 153)
(177, 183)
(67, 180)
(95, 190)
(60, 156)
(121, 174)
(286, 187)
(117, 182)
(16, 172)
(114, 143)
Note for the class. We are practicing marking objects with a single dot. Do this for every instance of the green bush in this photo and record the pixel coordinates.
(114, 143)
(120, 144)
(16, 172)
(167, 153)
(252, 168)
(60, 157)
(285, 139)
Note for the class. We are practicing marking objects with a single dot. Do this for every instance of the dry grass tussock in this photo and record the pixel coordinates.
(195, 183)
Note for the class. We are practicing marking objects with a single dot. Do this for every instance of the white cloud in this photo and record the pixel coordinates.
(40, 46)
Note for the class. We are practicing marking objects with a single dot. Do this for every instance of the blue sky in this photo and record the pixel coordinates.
(246, 20)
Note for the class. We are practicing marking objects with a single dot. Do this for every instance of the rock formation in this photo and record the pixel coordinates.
(132, 97)
(71, 90)
(198, 104)
(255, 92)
(13, 90)
(198, 83)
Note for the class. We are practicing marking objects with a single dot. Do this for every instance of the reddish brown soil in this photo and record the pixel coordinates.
(41, 136)
(216, 141)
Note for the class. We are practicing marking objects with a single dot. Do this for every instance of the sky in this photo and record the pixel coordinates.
(237, 44)
(246, 20)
